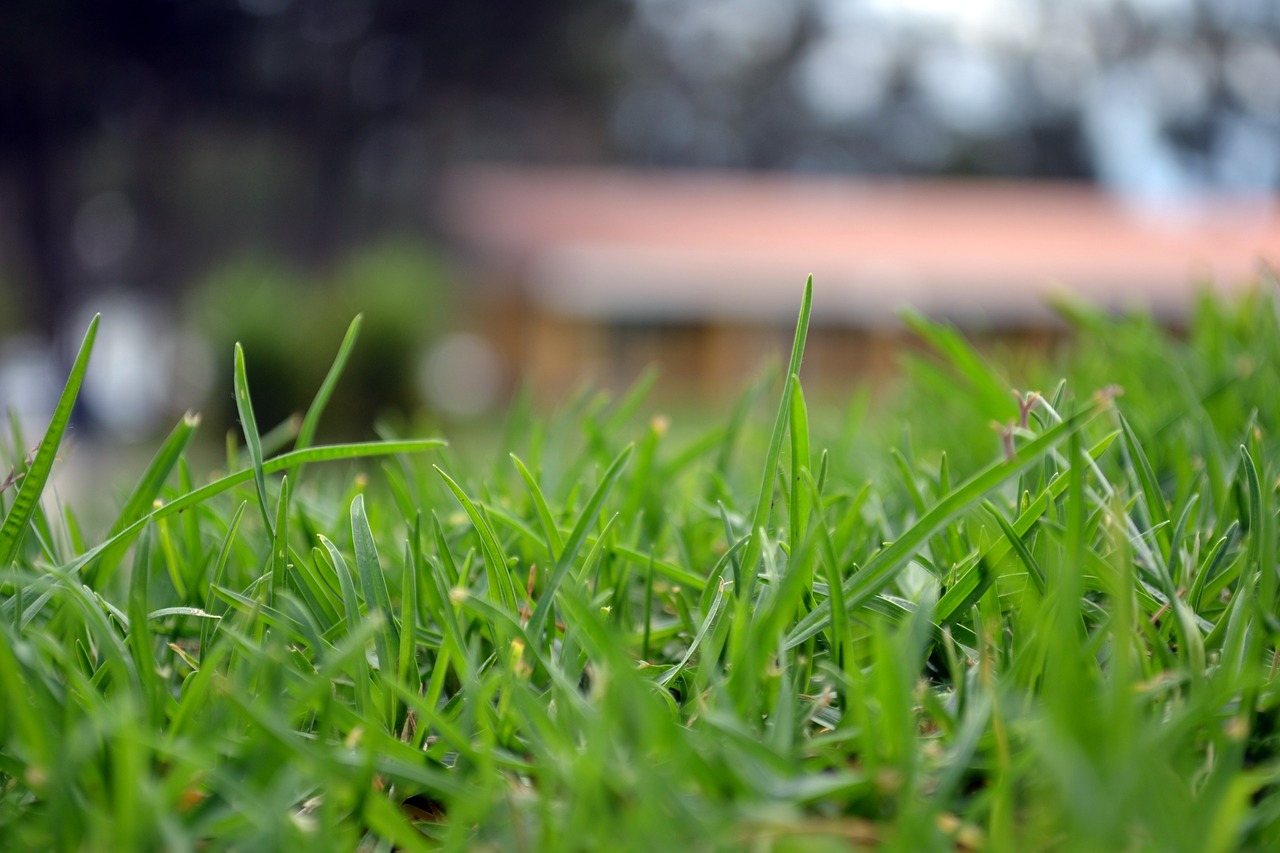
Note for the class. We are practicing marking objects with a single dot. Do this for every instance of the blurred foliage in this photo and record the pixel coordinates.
(287, 322)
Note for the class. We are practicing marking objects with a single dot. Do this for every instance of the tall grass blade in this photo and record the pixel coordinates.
(37, 474)
(311, 421)
(377, 598)
(219, 569)
(249, 425)
(278, 580)
(351, 610)
(574, 543)
(801, 461)
(764, 500)
(144, 494)
(555, 544)
(501, 587)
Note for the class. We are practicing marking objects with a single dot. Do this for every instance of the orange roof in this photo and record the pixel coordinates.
(672, 245)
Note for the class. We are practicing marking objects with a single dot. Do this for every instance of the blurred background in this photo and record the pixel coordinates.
(557, 188)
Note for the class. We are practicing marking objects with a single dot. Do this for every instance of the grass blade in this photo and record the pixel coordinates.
(351, 609)
(554, 542)
(215, 577)
(323, 453)
(307, 432)
(279, 577)
(996, 400)
(574, 543)
(144, 494)
(862, 586)
(495, 557)
(373, 582)
(764, 501)
(37, 474)
(801, 461)
(249, 425)
(1157, 509)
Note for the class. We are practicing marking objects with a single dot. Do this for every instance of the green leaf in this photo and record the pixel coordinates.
(37, 474)
(801, 461)
(880, 570)
(249, 425)
(139, 638)
(351, 608)
(985, 388)
(307, 432)
(495, 558)
(1014, 538)
(279, 578)
(377, 598)
(574, 543)
(708, 622)
(764, 500)
(219, 568)
(148, 488)
(554, 543)
(324, 453)
(1157, 509)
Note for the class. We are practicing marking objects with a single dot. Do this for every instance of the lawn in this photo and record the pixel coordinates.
(966, 619)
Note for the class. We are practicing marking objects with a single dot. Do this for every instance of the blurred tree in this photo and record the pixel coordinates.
(1149, 97)
(68, 67)
(342, 94)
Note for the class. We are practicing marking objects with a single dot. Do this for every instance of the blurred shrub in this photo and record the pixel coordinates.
(291, 324)
(402, 290)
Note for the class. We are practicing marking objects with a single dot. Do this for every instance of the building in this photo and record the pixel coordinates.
(599, 272)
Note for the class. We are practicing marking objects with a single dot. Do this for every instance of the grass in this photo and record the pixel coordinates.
(849, 631)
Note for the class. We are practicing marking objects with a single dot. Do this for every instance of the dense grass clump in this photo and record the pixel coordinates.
(1057, 634)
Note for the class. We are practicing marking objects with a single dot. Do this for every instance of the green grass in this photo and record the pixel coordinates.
(902, 629)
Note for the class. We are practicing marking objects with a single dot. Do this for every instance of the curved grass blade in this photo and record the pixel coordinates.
(554, 543)
(954, 603)
(406, 670)
(1209, 566)
(1261, 555)
(1157, 509)
(882, 567)
(993, 395)
(138, 637)
(144, 494)
(495, 558)
(1034, 569)
(37, 474)
(708, 622)
(842, 642)
(307, 432)
(219, 567)
(576, 538)
(272, 441)
(351, 608)
(374, 585)
(325, 453)
(253, 441)
(666, 568)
